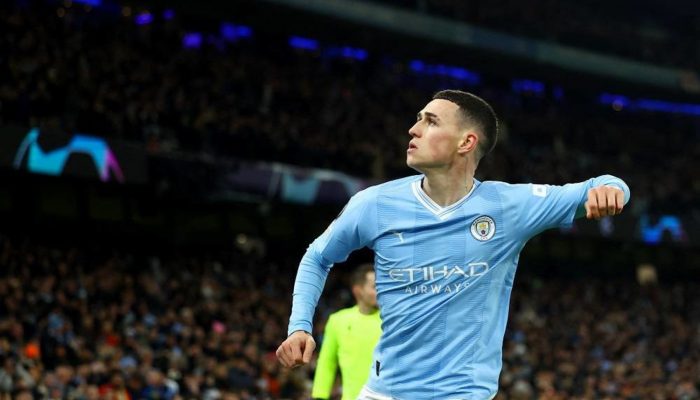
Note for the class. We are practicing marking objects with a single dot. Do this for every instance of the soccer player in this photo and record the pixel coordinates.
(349, 339)
(446, 249)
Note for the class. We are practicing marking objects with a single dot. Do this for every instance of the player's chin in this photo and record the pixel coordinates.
(414, 165)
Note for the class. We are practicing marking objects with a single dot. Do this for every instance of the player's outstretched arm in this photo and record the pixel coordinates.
(296, 350)
(347, 233)
(541, 207)
(603, 201)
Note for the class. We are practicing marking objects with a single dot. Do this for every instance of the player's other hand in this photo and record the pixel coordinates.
(296, 350)
(604, 201)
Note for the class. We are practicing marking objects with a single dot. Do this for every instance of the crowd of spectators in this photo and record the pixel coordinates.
(646, 32)
(80, 323)
(76, 324)
(602, 339)
(80, 69)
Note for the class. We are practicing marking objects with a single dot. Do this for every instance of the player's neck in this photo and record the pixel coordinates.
(441, 188)
(366, 309)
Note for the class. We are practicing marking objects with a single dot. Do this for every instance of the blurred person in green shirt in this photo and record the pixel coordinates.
(349, 340)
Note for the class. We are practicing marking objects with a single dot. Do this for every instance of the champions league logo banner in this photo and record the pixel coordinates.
(72, 155)
(53, 162)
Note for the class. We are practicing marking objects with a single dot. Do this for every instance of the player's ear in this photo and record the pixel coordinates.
(468, 142)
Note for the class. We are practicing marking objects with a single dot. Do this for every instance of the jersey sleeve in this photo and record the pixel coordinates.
(540, 207)
(354, 228)
(327, 364)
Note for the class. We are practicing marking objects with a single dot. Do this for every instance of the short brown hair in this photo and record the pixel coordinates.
(477, 112)
(359, 275)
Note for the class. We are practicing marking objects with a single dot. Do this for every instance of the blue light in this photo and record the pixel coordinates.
(459, 73)
(303, 43)
(618, 102)
(346, 52)
(417, 65)
(93, 3)
(244, 31)
(527, 86)
(143, 18)
(440, 69)
(665, 106)
(168, 14)
(192, 40)
(357, 54)
(231, 32)
(228, 31)
(454, 72)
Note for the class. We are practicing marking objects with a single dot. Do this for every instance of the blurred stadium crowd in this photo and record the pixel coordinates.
(77, 325)
(82, 324)
(258, 98)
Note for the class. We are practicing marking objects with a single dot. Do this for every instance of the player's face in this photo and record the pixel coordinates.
(435, 136)
(367, 294)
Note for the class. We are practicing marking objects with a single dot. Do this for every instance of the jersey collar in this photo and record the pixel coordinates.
(440, 212)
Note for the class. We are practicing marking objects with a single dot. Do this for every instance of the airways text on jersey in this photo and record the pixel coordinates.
(445, 279)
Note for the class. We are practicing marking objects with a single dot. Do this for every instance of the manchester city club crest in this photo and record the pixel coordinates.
(483, 228)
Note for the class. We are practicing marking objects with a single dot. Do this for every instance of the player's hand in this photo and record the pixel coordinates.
(604, 201)
(296, 350)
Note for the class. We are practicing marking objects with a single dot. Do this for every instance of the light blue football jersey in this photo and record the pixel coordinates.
(444, 277)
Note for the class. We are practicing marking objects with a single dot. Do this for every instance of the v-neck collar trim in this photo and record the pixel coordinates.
(441, 212)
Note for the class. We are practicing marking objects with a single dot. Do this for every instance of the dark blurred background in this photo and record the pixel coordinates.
(165, 165)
